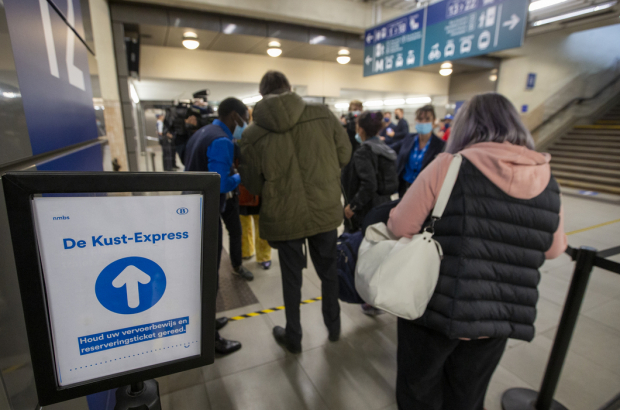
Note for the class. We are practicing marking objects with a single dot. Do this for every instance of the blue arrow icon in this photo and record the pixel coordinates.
(130, 285)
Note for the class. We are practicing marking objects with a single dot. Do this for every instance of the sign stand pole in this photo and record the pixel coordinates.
(138, 396)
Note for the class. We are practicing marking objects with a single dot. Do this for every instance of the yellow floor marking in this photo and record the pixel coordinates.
(593, 227)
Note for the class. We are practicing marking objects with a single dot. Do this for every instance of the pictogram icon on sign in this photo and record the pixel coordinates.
(130, 285)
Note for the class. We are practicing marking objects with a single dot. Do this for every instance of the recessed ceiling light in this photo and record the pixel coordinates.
(446, 65)
(190, 40)
(343, 52)
(342, 105)
(274, 44)
(493, 77)
(274, 52)
(445, 71)
(374, 103)
(343, 59)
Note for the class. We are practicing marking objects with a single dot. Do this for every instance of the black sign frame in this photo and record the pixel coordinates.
(19, 189)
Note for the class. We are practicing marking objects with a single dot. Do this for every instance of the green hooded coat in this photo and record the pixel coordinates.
(291, 156)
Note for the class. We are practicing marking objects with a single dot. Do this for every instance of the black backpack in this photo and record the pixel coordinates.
(387, 177)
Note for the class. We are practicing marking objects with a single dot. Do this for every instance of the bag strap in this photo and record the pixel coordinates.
(446, 187)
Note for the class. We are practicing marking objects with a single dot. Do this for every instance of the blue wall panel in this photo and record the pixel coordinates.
(52, 68)
(89, 159)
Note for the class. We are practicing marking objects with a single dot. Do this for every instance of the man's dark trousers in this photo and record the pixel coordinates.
(230, 216)
(293, 260)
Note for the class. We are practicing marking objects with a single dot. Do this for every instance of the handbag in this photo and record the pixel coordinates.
(400, 275)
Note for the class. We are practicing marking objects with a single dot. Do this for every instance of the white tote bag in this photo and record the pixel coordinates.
(400, 275)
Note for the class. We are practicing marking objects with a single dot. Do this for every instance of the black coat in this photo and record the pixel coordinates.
(404, 147)
(359, 179)
(493, 245)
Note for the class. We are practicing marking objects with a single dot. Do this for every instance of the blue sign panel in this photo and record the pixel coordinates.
(52, 68)
(531, 81)
(448, 30)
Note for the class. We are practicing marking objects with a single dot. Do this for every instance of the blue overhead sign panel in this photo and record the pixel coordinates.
(448, 30)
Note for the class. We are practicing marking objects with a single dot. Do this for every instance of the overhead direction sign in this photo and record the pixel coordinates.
(448, 30)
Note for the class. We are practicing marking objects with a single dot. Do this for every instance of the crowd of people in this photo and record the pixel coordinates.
(296, 161)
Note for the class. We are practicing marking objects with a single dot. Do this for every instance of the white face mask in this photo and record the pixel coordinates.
(239, 130)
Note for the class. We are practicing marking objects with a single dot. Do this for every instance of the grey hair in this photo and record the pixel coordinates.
(488, 117)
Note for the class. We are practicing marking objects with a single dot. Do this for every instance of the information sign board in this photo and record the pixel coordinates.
(447, 30)
(116, 288)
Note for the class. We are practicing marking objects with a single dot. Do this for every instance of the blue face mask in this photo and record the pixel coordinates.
(358, 138)
(239, 131)
(424, 127)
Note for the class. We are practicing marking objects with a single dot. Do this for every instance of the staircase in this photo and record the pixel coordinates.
(588, 156)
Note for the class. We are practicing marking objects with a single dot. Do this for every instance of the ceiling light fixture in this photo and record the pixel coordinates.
(252, 100)
(446, 65)
(541, 4)
(343, 59)
(190, 40)
(317, 39)
(274, 52)
(418, 100)
(342, 105)
(374, 103)
(445, 71)
(344, 52)
(274, 44)
(230, 28)
(493, 77)
(574, 14)
(398, 101)
(134, 94)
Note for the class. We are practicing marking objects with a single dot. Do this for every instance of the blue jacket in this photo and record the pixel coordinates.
(400, 131)
(404, 147)
(211, 148)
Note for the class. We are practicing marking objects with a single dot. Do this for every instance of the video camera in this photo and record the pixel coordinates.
(176, 116)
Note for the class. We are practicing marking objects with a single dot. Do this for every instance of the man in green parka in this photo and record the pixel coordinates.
(292, 157)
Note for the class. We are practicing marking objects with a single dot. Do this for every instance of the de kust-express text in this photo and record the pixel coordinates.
(138, 237)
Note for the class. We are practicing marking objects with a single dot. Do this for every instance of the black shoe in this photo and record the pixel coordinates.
(221, 322)
(279, 333)
(334, 336)
(225, 346)
(243, 272)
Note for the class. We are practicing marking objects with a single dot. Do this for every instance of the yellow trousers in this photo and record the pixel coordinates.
(251, 240)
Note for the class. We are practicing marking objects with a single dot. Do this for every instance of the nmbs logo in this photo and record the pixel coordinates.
(182, 211)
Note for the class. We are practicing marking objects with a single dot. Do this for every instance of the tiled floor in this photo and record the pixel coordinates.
(359, 371)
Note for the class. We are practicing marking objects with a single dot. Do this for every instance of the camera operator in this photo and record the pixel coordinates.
(185, 119)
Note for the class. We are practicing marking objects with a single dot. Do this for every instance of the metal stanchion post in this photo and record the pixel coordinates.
(138, 396)
(526, 399)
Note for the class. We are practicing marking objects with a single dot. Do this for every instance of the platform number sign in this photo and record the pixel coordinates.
(447, 30)
(76, 76)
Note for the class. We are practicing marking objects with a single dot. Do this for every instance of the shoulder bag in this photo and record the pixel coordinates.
(400, 275)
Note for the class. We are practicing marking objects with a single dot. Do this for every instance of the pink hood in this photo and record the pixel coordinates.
(518, 171)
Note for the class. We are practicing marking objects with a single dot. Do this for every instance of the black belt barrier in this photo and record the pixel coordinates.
(525, 399)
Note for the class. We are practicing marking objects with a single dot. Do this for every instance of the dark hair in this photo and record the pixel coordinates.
(273, 82)
(229, 105)
(488, 117)
(371, 122)
(425, 109)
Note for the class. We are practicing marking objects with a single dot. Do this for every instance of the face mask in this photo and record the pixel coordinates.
(356, 112)
(447, 125)
(386, 119)
(424, 127)
(358, 138)
(239, 131)
(397, 117)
